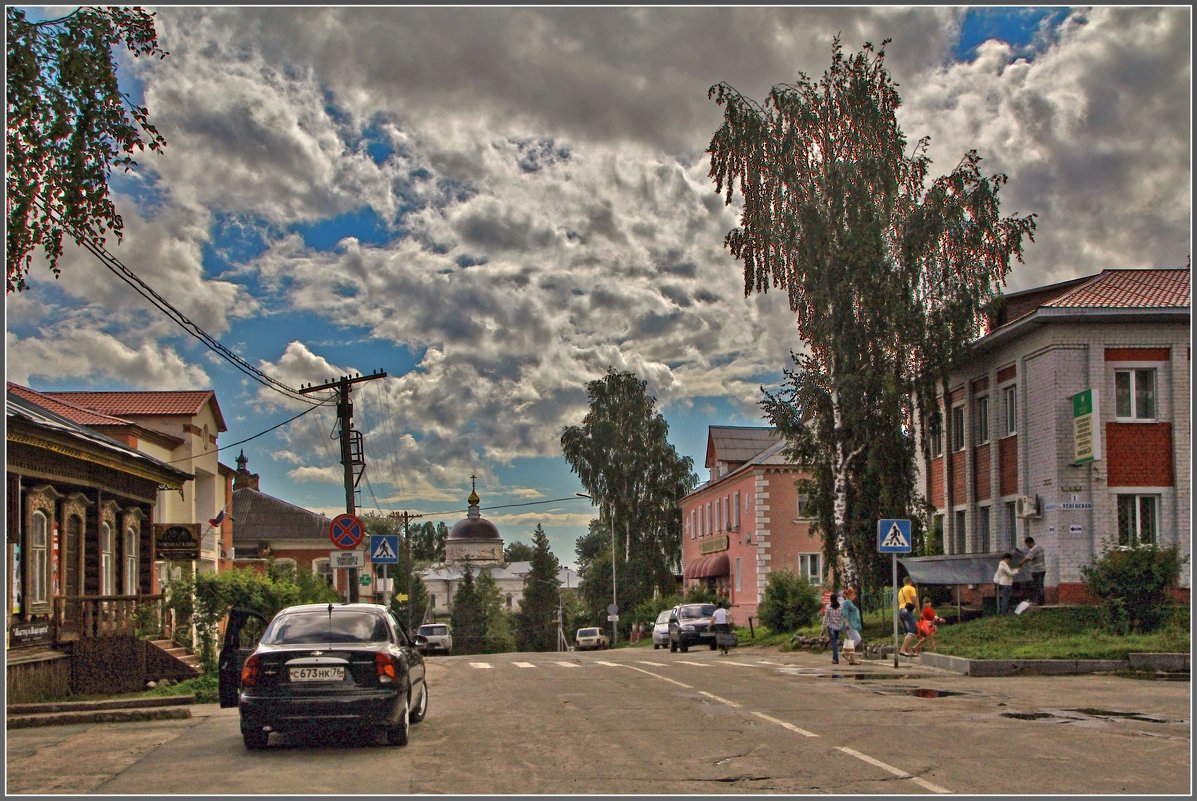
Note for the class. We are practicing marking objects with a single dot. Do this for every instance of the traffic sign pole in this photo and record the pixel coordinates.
(894, 537)
(895, 557)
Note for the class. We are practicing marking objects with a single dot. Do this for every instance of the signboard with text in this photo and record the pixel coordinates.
(340, 560)
(177, 542)
(1086, 427)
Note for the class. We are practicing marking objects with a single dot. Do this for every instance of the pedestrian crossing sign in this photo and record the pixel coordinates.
(893, 536)
(384, 549)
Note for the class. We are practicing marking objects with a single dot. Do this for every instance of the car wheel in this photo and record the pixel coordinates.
(421, 711)
(713, 646)
(255, 739)
(397, 734)
(672, 647)
(656, 646)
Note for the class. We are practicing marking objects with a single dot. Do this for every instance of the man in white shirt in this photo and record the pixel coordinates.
(1038, 561)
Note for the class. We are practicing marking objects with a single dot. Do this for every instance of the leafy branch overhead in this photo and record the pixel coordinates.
(68, 126)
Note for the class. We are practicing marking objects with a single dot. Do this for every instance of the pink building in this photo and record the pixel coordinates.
(748, 520)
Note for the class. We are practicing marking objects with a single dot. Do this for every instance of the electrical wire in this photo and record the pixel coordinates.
(260, 433)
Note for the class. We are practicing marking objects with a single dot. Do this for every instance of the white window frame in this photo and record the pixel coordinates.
(935, 433)
(739, 581)
(1139, 498)
(960, 531)
(1133, 371)
(981, 413)
(984, 529)
(693, 524)
(810, 564)
(958, 428)
(1011, 524)
(130, 555)
(37, 591)
(1009, 410)
(107, 561)
(803, 506)
(737, 508)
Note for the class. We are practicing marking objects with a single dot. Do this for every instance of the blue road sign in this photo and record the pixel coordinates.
(384, 549)
(893, 536)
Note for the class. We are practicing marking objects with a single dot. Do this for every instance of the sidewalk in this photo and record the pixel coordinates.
(26, 716)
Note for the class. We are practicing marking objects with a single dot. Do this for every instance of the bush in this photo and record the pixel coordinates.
(1134, 583)
(790, 602)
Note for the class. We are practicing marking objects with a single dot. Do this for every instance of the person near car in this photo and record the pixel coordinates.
(852, 625)
(833, 621)
(1038, 562)
(1004, 579)
(908, 597)
(721, 622)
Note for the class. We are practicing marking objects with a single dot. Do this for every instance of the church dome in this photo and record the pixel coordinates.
(475, 526)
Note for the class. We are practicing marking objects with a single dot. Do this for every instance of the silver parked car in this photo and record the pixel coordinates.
(661, 631)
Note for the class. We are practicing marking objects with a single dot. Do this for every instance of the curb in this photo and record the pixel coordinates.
(1055, 667)
(97, 716)
(99, 706)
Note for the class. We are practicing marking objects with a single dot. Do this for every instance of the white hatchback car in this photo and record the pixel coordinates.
(591, 637)
(661, 631)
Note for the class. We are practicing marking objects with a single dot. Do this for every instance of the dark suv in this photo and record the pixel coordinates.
(690, 624)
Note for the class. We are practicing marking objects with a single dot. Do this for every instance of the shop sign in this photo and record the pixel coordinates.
(29, 633)
(713, 545)
(177, 542)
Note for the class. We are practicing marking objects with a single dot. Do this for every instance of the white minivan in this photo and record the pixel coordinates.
(439, 636)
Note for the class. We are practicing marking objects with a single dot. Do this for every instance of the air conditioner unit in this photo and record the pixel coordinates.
(1028, 506)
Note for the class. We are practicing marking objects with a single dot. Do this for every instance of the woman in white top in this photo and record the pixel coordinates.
(721, 623)
(1004, 579)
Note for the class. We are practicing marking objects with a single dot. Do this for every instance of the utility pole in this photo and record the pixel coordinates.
(352, 450)
(407, 517)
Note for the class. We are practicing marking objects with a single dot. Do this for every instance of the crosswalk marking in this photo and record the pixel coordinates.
(524, 664)
(688, 662)
(654, 664)
(565, 664)
(481, 665)
(608, 664)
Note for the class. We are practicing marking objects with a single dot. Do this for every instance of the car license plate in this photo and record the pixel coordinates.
(317, 674)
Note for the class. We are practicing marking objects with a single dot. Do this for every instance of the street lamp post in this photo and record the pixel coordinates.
(614, 599)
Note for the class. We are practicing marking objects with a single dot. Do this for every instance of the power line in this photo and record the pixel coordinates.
(260, 433)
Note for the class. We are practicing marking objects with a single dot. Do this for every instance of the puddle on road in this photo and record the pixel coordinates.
(917, 692)
(1109, 713)
(1028, 715)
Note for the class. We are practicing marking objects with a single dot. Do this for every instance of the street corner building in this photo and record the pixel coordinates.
(1069, 422)
(748, 520)
(79, 519)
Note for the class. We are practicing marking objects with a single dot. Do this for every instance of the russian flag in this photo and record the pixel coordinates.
(216, 521)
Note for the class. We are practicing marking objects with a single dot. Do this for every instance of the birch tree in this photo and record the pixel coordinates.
(888, 273)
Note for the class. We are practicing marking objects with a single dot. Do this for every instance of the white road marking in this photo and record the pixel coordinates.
(688, 662)
(608, 664)
(717, 698)
(524, 664)
(737, 664)
(901, 774)
(654, 675)
(785, 725)
(654, 664)
(565, 664)
(481, 665)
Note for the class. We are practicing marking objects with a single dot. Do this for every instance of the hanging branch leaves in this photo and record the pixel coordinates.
(68, 126)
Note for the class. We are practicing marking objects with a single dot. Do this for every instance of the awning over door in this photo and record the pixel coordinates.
(704, 566)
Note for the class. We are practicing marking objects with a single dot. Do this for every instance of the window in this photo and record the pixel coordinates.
(322, 568)
(1134, 394)
(811, 566)
(510, 597)
(982, 421)
(1010, 410)
(719, 514)
(1137, 519)
(693, 524)
(958, 533)
(739, 585)
(706, 529)
(935, 433)
(431, 600)
(39, 562)
(737, 511)
(983, 530)
(958, 428)
(803, 506)
(937, 534)
(1011, 524)
(107, 564)
(130, 555)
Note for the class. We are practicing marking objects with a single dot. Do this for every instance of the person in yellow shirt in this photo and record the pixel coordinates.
(908, 598)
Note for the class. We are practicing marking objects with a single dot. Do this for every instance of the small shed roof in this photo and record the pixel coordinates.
(968, 568)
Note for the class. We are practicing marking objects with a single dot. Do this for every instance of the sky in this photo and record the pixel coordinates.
(494, 205)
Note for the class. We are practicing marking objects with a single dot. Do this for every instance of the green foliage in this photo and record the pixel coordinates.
(536, 622)
(518, 551)
(790, 602)
(889, 278)
(68, 125)
(469, 617)
(622, 456)
(497, 634)
(205, 688)
(1134, 582)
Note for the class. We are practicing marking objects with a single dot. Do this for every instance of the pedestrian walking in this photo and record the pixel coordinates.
(1004, 579)
(833, 620)
(852, 625)
(928, 624)
(1038, 561)
(721, 622)
(908, 596)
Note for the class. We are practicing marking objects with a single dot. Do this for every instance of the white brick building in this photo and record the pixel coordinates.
(1005, 460)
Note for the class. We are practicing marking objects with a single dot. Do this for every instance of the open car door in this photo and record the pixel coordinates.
(241, 635)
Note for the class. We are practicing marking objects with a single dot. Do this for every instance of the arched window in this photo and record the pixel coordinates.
(39, 561)
(131, 572)
(107, 562)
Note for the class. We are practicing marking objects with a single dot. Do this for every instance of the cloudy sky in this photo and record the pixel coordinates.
(495, 204)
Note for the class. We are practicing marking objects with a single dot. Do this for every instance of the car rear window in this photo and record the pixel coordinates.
(320, 626)
(663, 617)
(426, 630)
(587, 632)
(706, 610)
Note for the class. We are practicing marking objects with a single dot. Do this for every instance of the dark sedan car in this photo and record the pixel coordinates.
(323, 666)
(690, 624)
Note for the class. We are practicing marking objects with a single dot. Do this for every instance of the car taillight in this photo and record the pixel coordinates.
(384, 664)
(249, 673)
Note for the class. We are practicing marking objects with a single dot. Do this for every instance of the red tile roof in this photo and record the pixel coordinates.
(62, 408)
(183, 403)
(1129, 289)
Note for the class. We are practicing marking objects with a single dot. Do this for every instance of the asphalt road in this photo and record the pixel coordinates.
(650, 722)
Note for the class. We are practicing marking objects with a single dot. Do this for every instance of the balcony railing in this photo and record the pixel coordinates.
(93, 616)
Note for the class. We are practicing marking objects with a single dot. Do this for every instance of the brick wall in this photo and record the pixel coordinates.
(1008, 465)
(1139, 454)
(982, 483)
(936, 490)
(959, 479)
